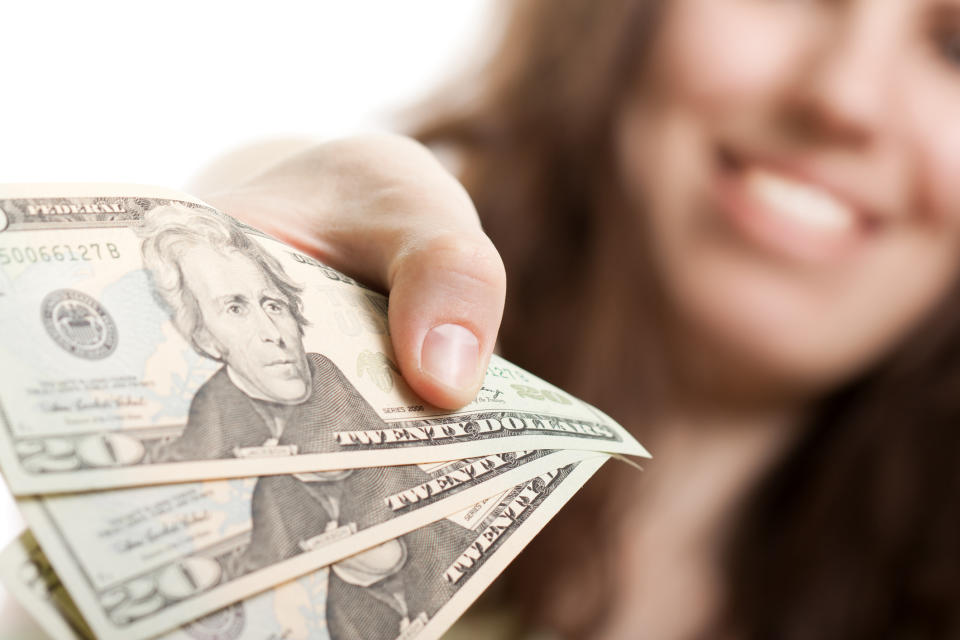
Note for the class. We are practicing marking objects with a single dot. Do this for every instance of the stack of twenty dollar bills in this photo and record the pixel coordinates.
(208, 436)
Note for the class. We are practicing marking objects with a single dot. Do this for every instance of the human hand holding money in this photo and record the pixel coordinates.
(383, 209)
(177, 345)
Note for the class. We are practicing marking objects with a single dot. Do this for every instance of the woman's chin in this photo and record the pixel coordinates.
(758, 331)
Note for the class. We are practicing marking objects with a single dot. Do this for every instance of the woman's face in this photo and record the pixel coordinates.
(798, 163)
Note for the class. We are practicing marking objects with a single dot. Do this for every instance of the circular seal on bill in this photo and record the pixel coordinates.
(225, 624)
(4, 220)
(79, 324)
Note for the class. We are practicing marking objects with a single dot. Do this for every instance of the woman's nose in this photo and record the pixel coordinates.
(847, 90)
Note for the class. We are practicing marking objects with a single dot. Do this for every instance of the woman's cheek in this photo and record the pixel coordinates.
(931, 131)
(940, 168)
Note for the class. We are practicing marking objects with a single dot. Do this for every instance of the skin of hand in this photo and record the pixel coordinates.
(382, 209)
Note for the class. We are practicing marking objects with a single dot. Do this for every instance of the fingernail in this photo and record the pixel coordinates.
(451, 354)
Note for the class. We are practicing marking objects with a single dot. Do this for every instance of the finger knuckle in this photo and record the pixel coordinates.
(468, 257)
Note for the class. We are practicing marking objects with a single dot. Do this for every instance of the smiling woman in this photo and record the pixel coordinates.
(766, 234)
(733, 225)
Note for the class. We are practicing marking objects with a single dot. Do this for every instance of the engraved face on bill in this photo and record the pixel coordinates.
(231, 300)
(237, 306)
(157, 340)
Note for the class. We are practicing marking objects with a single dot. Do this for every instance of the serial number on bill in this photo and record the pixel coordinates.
(412, 407)
(59, 253)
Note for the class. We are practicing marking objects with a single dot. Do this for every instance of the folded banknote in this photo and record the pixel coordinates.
(139, 560)
(415, 590)
(209, 437)
(147, 338)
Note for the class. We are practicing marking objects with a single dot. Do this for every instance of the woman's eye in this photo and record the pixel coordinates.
(945, 34)
(949, 44)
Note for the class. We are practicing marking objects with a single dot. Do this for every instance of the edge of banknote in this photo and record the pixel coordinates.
(72, 575)
(55, 614)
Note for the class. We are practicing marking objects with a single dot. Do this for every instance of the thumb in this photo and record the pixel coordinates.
(382, 209)
(446, 303)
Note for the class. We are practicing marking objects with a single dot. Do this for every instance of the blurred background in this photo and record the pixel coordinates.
(151, 93)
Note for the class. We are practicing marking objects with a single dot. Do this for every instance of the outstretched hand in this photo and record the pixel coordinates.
(382, 209)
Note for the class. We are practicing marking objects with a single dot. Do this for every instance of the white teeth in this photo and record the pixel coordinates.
(800, 202)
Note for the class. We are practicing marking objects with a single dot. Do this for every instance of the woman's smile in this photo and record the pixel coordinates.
(783, 209)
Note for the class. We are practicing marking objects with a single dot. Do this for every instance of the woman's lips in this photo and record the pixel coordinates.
(787, 215)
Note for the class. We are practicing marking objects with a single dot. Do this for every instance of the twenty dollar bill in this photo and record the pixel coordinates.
(140, 560)
(447, 566)
(147, 338)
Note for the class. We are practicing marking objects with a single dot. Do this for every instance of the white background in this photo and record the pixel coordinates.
(148, 92)
(152, 92)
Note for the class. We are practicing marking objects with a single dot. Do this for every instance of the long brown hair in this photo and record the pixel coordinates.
(856, 532)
